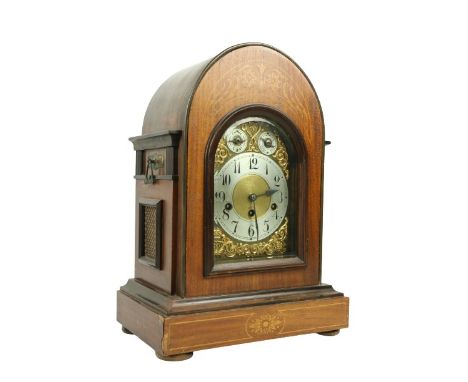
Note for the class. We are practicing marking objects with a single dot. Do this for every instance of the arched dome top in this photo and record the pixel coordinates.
(170, 106)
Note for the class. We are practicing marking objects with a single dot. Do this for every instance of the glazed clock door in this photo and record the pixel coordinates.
(254, 197)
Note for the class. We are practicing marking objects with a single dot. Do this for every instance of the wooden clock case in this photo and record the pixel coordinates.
(178, 302)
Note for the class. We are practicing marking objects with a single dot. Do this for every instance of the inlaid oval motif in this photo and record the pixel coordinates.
(259, 325)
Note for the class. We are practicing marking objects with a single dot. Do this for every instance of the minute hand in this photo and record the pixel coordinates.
(255, 214)
(268, 193)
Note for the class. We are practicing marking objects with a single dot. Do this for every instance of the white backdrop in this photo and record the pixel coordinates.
(75, 80)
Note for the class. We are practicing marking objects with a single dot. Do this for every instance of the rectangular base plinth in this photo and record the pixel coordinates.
(177, 334)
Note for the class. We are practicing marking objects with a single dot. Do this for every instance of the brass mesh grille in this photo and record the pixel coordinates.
(150, 231)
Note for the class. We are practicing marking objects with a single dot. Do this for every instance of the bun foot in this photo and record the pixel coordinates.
(175, 357)
(126, 331)
(330, 333)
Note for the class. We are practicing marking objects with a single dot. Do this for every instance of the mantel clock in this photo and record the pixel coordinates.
(229, 179)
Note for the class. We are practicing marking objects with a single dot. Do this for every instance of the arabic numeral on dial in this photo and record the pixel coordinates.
(251, 231)
(266, 169)
(221, 195)
(253, 163)
(235, 222)
(225, 214)
(277, 179)
(280, 194)
(226, 180)
(236, 167)
(266, 225)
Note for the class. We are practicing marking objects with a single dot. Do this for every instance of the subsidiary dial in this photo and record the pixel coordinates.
(237, 141)
(267, 143)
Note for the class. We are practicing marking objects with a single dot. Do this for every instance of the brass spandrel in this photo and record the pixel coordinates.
(225, 247)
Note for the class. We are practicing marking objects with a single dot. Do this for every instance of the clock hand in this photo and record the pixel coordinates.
(267, 141)
(236, 141)
(252, 198)
(268, 193)
(255, 214)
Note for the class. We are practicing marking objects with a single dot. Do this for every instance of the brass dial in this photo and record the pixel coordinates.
(251, 185)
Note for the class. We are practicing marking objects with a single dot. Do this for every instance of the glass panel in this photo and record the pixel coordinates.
(252, 212)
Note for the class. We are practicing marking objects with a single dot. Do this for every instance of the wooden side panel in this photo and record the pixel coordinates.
(207, 330)
(141, 321)
(168, 111)
(166, 190)
(245, 76)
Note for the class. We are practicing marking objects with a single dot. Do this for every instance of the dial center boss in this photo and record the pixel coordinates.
(247, 186)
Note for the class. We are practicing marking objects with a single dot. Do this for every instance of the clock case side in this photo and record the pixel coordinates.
(166, 120)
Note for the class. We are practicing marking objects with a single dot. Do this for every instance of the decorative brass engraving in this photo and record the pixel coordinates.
(264, 324)
(253, 129)
(281, 157)
(222, 154)
(225, 247)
